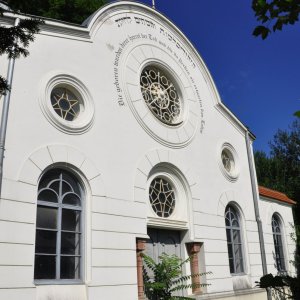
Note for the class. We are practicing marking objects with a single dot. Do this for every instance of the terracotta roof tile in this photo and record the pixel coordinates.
(263, 191)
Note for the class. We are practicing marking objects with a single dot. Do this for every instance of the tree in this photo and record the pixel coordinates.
(167, 278)
(281, 171)
(283, 286)
(14, 41)
(75, 11)
(274, 14)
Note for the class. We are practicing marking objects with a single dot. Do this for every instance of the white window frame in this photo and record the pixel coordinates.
(239, 229)
(60, 206)
(280, 235)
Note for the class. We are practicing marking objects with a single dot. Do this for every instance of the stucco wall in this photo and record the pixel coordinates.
(115, 154)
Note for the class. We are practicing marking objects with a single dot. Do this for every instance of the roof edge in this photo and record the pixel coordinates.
(275, 195)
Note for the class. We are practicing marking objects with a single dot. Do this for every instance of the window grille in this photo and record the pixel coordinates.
(162, 197)
(161, 95)
(65, 103)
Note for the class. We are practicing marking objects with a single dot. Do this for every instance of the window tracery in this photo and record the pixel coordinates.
(161, 95)
(162, 197)
(65, 103)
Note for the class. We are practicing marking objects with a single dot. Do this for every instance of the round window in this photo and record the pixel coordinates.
(161, 95)
(65, 103)
(162, 197)
(229, 162)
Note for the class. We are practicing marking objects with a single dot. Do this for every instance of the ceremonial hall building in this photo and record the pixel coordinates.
(118, 143)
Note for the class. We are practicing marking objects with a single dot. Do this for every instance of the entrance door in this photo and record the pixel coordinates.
(163, 241)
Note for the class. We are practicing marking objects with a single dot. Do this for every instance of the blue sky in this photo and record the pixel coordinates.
(258, 80)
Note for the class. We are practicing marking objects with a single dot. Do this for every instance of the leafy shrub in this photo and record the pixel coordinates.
(167, 278)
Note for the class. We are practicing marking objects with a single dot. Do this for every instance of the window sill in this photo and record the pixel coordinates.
(58, 282)
(241, 281)
(238, 274)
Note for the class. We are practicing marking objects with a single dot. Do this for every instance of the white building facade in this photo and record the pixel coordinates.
(117, 143)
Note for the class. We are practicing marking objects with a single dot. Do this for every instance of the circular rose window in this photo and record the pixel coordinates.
(162, 197)
(65, 103)
(161, 95)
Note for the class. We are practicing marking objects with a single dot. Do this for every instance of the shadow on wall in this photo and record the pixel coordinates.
(61, 292)
(241, 282)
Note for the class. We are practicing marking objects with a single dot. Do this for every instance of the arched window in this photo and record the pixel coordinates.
(58, 249)
(162, 197)
(234, 242)
(277, 238)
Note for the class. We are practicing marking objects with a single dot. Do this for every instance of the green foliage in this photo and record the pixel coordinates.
(297, 114)
(283, 286)
(274, 14)
(280, 171)
(167, 278)
(14, 40)
(295, 236)
(75, 11)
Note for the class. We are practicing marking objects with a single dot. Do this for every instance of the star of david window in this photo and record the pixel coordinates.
(65, 103)
(162, 197)
(161, 95)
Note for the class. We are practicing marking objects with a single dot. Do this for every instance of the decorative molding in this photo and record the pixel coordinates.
(168, 135)
(233, 174)
(167, 223)
(64, 156)
(230, 197)
(85, 119)
(166, 162)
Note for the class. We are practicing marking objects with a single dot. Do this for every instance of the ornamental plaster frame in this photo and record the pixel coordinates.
(171, 165)
(85, 119)
(179, 217)
(171, 136)
(69, 158)
(42, 158)
(233, 177)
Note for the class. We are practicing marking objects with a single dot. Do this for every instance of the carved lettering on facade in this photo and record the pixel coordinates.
(124, 20)
(144, 22)
(165, 39)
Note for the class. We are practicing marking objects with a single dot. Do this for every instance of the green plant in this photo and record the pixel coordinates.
(283, 286)
(167, 278)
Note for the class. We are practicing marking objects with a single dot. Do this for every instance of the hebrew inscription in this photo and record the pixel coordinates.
(150, 32)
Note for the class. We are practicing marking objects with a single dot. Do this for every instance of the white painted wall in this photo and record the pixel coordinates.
(284, 211)
(116, 155)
